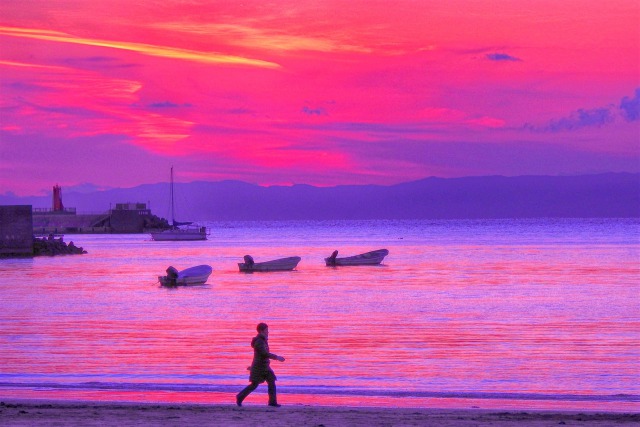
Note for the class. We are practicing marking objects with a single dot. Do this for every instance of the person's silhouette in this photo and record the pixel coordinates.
(260, 369)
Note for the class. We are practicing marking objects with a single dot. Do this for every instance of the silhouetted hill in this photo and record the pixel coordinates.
(586, 196)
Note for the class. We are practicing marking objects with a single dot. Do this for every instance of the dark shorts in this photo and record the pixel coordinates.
(262, 376)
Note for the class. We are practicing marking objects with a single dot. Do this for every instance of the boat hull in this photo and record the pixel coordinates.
(367, 258)
(180, 234)
(193, 276)
(282, 264)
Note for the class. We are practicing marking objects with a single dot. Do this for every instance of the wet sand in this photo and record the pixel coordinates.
(63, 413)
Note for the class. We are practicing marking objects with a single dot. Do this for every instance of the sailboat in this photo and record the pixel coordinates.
(179, 230)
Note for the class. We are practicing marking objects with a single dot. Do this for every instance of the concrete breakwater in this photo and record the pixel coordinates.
(113, 221)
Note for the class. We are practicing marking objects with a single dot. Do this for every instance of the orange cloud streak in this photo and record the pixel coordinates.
(142, 48)
(37, 66)
(247, 36)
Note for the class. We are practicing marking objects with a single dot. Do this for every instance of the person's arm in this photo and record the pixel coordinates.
(261, 348)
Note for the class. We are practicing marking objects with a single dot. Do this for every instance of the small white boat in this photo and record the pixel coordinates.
(367, 258)
(192, 276)
(281, 264)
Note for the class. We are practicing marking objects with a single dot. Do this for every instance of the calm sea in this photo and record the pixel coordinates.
(499, 313)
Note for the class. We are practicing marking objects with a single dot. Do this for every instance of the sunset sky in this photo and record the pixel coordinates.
(114, 92)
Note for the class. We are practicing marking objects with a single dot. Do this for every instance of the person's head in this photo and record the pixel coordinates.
(262, 328)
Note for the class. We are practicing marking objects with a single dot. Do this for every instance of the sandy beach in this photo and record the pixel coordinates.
(49, 413)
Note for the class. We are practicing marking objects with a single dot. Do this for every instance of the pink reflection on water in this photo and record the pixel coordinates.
(437, 317)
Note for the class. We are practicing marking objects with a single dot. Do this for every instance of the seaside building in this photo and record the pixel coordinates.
(129, 217)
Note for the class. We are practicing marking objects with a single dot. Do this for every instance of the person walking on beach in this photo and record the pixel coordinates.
(260, 369)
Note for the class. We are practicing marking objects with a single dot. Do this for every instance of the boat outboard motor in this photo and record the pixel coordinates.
(172, 275)
(332, 258)
(248, 260)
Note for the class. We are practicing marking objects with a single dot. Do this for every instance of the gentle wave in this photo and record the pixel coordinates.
(337, 391)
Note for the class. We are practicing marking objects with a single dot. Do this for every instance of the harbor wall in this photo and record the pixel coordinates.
(16, 230)
(114, 221)
(43, 224)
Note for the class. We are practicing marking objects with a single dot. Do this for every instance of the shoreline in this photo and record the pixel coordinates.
(48, 392)
(30, 412)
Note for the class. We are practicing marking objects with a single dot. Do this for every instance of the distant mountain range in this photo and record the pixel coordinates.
(585, 196)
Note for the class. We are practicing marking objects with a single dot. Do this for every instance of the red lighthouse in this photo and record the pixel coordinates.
(57, 199)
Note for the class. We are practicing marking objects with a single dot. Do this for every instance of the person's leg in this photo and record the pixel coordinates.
(271, 384)
(245, 392)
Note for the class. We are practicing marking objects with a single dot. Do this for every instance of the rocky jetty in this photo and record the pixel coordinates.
(51, 246)
(155, 222)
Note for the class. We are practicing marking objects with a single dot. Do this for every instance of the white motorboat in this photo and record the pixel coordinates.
(179, 230)
(197, 275)
(367, 258)
(281, 264)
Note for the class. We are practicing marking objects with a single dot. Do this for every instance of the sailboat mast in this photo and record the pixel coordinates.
(173, 219)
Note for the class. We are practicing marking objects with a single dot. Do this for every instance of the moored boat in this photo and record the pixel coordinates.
(178, 231)
(367, 258)
(197, 275)
(281, 264)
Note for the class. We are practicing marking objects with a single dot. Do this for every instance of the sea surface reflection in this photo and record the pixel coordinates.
(536, 312)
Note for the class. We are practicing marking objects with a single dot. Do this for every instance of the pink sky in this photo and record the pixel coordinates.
(317, 92)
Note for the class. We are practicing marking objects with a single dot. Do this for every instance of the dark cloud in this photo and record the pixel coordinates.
(167, 104)
(314, 111)
(630, 107)
(501, 57)
(164, 104)
(580, 119)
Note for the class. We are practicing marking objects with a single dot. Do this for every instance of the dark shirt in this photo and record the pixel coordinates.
(261, 359)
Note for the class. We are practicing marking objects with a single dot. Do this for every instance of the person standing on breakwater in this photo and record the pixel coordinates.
(260, 369)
